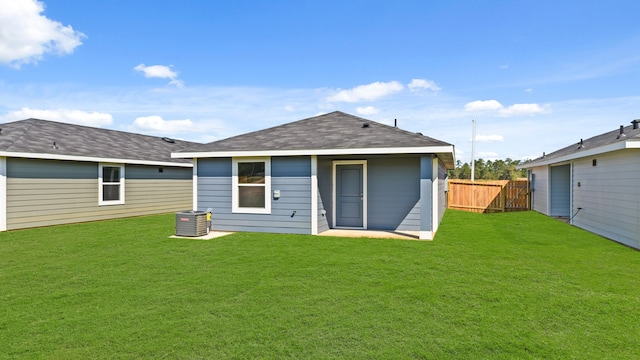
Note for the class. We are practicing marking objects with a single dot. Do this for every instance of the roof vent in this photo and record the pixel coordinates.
(395, 123)
(634, 122)
(419, 133)
(169, 140)
(580, 145)
(54, 146)
(622, 135)
(365, 125)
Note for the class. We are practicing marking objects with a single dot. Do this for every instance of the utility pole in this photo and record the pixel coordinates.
(473, 150)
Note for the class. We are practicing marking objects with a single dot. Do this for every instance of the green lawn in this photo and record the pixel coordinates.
(501, 286)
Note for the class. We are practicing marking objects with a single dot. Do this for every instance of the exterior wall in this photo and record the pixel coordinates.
(291, 213)
(560, 190)
(51, 192)
(443, 178)
(426, 197)
(609, 195)
(325, 189)
(540, 187)
(400, 194)
(3, 193)
(393, 193)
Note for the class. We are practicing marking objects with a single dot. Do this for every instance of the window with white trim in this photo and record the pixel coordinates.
(110, 184)
(251, 179)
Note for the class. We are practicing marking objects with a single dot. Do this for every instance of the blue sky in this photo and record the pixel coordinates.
(536, 75)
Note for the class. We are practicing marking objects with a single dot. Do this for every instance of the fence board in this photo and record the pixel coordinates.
(488, 196)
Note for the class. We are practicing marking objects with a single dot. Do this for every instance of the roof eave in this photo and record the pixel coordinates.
(346, 151)
(445, 152)
(45, 156)
(584, 153)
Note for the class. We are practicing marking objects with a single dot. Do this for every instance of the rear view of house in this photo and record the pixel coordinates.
(594, 183)
(330, 171)
(56, 173)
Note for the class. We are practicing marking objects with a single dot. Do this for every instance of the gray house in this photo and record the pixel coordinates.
(55, 173)
(330, 171)
(594, 183)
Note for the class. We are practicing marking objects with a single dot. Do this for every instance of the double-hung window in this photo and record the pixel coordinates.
(251, 185)
(110, 184)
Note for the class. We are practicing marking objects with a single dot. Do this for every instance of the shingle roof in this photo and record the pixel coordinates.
(332, 131)
(588, 147)
(54, 139)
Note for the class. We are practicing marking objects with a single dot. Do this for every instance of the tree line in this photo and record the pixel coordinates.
(489, 170)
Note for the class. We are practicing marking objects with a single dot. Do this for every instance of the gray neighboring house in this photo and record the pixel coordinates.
(594, 183)
(330, 171)
(56, 173)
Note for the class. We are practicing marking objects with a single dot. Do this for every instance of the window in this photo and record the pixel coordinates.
(110, 184)
(251, 185)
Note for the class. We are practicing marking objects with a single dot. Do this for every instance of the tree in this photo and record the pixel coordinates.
(489, 170)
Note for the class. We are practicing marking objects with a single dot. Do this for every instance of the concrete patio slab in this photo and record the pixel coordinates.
(209, 236)
(407, 235)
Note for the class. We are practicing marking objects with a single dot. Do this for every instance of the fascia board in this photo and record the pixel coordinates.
(585, 153)
(91, 159)
(359, 151)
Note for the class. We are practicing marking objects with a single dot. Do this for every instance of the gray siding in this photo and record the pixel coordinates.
(426, 193)
(323, 221)
(560, 186)
(393, 193)
(291, 213)
(540, 187)
(325, 187)
(52, 192)
(609, 195)
(443, 177)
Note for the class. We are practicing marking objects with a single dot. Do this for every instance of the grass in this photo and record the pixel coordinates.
(501, 286)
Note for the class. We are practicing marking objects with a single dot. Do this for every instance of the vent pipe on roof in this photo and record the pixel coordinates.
(622, 135)
(365, 125)
(581, 144)
(395, 123)
(634, 122)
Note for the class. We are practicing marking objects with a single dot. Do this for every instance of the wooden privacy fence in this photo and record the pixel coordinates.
(489, 196)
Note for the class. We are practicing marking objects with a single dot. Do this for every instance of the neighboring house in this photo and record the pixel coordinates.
(330, 171)
(594, 183)
(56, 173)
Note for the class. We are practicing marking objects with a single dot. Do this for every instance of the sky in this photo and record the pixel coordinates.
(535, 75)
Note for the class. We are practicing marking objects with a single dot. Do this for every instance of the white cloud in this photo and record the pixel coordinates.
(420, 84)
(26, 35)
(483, 105)
(513, 110)
(156, 124)
(489, 138)
(524, 109)
(289, 108)
(160, 71)
(79, 117)
(529, 90)
(368, 92)
(367, 110)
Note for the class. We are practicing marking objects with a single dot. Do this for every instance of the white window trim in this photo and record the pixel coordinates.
(235, 208)
(100, 183)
